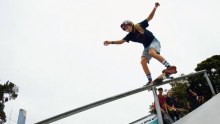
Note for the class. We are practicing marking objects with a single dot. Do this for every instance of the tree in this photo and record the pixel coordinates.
(8, 91)
(179, 90)
(198, 82)
(212, 66)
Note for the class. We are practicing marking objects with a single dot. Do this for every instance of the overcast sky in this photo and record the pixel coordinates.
(53, 50)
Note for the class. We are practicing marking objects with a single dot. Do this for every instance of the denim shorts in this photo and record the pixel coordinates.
(156, 45)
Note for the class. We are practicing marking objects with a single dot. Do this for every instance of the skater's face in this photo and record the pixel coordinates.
(127, 28)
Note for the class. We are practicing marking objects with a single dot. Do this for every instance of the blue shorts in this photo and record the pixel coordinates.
(156, 45)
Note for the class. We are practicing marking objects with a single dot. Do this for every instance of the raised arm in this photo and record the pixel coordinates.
(150, 17)
(106, 43)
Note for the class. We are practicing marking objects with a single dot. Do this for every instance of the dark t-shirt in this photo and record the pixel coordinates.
(191, 99)
(145, 38)
(177, 104)
(170, 101)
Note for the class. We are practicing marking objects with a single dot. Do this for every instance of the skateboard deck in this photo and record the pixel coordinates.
(159, 79)
(165, 75)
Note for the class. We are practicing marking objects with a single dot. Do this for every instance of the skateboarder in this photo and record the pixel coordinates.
(139, 33)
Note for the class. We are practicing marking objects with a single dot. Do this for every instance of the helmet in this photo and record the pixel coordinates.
(126, 22)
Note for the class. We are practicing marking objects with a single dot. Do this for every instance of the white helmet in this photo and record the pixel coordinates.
(126, 22)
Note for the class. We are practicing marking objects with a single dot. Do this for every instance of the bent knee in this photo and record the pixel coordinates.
(144, 60)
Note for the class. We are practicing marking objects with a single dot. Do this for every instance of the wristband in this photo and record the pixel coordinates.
(112, 42)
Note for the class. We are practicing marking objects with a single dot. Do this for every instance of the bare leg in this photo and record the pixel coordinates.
(155, 55)
(170, 69)
(144, 61)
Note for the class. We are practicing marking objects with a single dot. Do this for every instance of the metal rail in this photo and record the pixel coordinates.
(110, 99)
(134, 122)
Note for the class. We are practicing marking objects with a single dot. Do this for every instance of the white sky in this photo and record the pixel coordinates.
(53, 50)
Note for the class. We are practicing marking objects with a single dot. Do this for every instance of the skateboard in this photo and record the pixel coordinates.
(165, 75)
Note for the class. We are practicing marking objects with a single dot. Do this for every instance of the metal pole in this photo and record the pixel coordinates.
(157, 104)
(209, 83)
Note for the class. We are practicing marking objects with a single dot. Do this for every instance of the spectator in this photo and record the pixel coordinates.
(162, 102)
(192, 102)
(179, 107)
(170, 106)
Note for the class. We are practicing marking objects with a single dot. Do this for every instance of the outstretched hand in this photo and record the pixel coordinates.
(106, 43)
(157, 4)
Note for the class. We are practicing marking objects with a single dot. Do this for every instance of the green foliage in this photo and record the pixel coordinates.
(2, 116)
(8, 91)
(179, 90)
(198, 82)
(151, 109)
(212, 66)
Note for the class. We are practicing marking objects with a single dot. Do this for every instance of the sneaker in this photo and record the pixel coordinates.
(148, 83)
(170, 70)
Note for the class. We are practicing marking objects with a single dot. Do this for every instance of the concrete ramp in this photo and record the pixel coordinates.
(208, 113)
